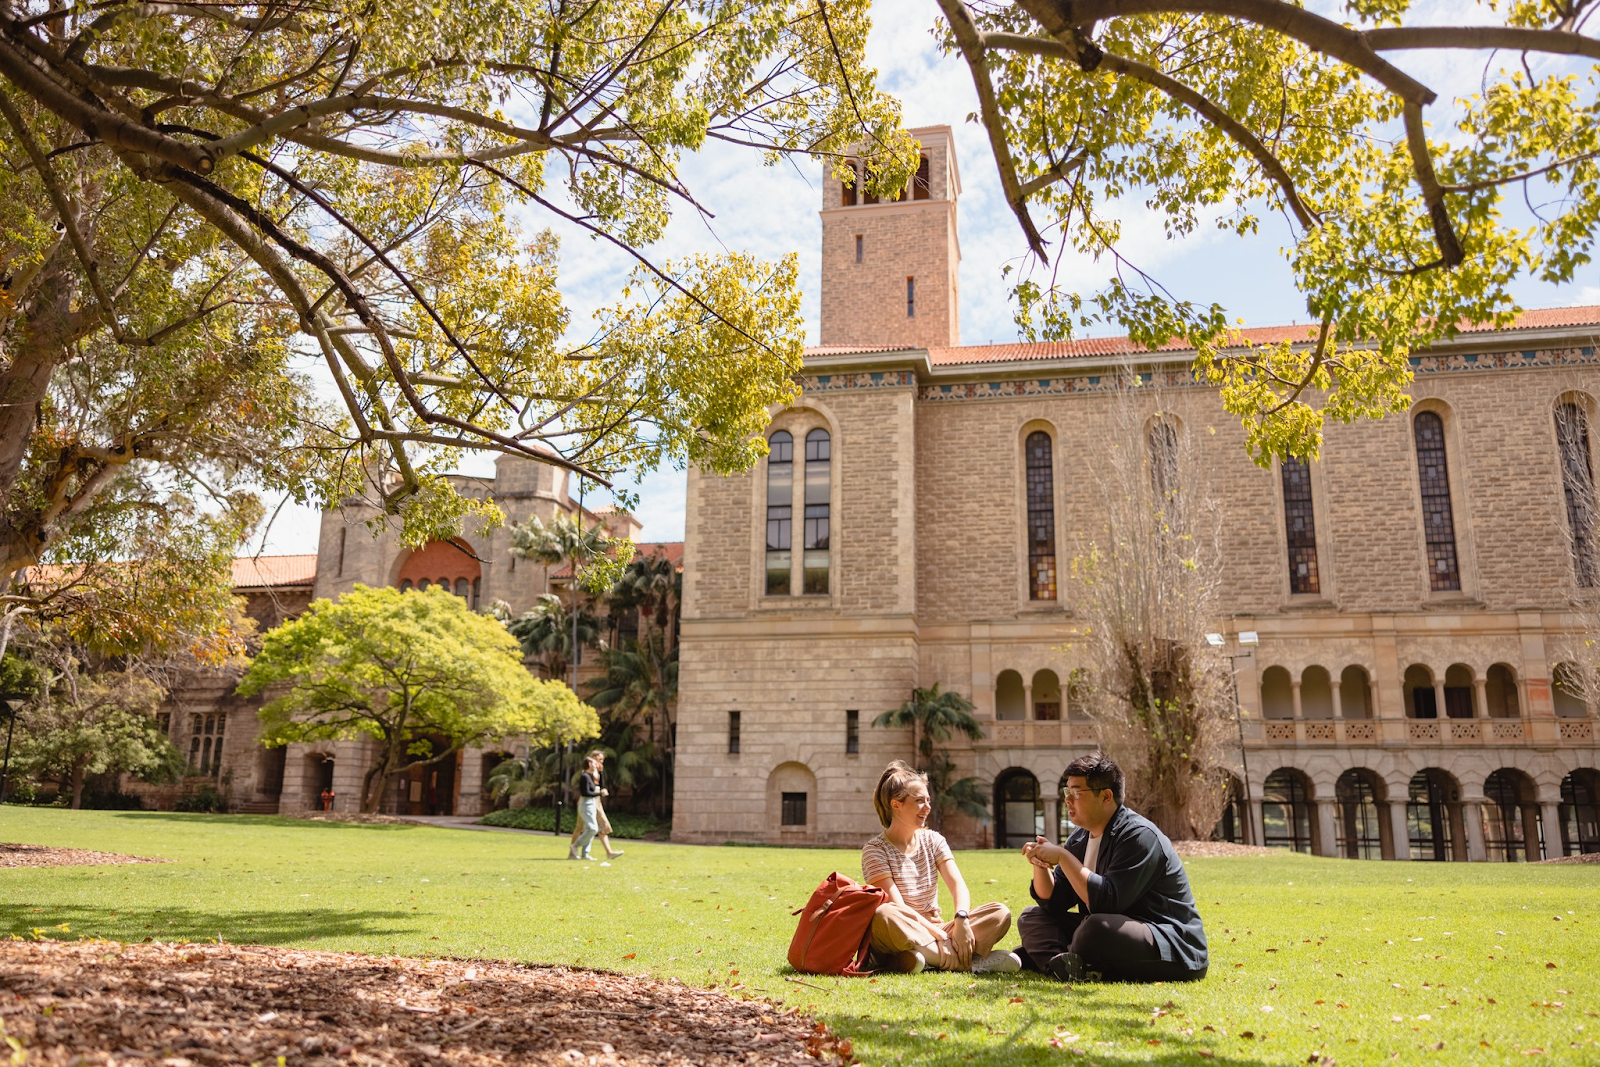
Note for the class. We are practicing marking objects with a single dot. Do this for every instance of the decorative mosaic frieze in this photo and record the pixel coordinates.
(1175, 377)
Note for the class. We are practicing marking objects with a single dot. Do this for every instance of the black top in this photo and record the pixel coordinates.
(588, 785)
(1136, 874)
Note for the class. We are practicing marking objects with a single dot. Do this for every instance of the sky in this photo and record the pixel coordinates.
(771, 211)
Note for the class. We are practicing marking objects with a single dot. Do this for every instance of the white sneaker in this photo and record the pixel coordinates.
(997, 962)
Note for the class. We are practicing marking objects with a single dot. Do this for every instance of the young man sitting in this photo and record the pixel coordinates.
(1135, 919)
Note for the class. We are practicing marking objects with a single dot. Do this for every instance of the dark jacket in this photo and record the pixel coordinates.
(588, 785)
(1136, 874)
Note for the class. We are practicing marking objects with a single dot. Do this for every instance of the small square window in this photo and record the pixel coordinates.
(794, 809)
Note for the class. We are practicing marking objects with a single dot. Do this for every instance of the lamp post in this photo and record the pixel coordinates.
(1251, 638)
(8, 708)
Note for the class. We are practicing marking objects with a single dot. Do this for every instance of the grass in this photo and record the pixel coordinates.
(1359, 962)
(624, 826)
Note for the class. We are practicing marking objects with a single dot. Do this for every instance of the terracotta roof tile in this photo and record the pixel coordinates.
(274, 572)
(1087, 347)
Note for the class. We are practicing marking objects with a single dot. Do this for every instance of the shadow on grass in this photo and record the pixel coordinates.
(262, 927)
(1090, 1023)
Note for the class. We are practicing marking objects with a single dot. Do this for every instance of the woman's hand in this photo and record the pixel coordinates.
(961, 940)
(605, 792)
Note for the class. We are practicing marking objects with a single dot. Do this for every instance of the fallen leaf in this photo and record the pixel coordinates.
(632, 955)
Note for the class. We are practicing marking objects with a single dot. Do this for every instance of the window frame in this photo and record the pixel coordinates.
(1457, 470)
(1305, 508)
(798, 422)
(735, 726)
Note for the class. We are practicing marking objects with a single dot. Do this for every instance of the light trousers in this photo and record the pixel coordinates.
(588, 825)
(896, 928)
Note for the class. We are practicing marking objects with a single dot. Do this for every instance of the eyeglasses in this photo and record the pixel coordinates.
(1075, 794)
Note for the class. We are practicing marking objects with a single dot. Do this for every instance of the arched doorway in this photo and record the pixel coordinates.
(1010, 702)
(1019, 810)
(1511, 829)
(1433, 815)
(1046, 696)
(1286, 810)
(319, 776)
(1277, 694)
(1580, 813)
(1232, 823)
(1359, 820)
(1421, 701)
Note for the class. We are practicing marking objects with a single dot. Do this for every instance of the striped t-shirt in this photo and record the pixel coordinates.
(915, 874)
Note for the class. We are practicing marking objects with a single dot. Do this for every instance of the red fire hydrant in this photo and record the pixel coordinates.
(327, 799)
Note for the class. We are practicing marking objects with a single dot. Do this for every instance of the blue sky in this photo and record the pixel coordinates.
(773, 211)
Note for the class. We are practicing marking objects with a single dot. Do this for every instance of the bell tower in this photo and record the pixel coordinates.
(890, 268)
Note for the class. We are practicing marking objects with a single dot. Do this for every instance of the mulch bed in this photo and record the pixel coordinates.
(1587, 857)
(345, 816)
(45, 856)
(184, 1005)
(1219, 850)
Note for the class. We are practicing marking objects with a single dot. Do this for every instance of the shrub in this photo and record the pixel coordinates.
(543, 818)
(205, 798)
(112, 800)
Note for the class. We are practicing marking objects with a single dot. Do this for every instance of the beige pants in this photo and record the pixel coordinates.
(896, 928)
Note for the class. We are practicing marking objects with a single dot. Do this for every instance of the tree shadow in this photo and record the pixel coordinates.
(192, 818)
(262, 926)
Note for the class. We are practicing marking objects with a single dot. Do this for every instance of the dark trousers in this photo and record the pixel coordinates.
(1120, 948)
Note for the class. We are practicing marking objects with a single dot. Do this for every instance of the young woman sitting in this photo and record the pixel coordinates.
(906, 861)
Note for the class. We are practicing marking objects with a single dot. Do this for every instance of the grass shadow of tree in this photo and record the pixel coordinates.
(261, 927)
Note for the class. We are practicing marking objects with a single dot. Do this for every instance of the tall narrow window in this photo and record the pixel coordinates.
(1438, 520)
(921, 185)
(733, 733)
(1041, 516)
(848, 188)
(859, 244)
(818, 464)
(852, 732)
(1577, 478)
(1164, 458)
(911, 298)
(338, 567)
(780, 511)
(1301, 526)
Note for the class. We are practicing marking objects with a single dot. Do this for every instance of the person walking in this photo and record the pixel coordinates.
(589, 794)
(906, 861)
(602, 824)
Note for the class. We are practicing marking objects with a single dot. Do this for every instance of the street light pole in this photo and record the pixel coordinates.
(8, 709)
(1246, 637)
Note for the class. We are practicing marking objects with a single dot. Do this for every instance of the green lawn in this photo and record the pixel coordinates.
(1361, 962)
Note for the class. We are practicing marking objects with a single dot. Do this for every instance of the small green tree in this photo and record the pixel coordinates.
(936, 715)
(90, 724)
(399, 667)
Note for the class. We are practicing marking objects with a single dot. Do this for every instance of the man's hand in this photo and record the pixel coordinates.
(1041, 853)
(961, 941)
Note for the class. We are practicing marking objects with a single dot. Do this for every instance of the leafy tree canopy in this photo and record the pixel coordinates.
(299, 246)
(402, 668)
(1226, 111)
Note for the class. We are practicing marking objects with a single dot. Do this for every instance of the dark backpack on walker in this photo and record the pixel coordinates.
(835, 931)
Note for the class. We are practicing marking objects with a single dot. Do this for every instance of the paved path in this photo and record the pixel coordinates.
(468, 822)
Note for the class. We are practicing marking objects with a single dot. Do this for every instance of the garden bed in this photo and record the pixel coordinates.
(188, 1005)
(45, 856)
(623, 825)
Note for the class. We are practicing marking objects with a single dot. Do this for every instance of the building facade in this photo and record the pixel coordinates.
(219, 731)
(1397, 609)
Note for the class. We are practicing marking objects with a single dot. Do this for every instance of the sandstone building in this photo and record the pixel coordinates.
(1397, 608)
(219, 730)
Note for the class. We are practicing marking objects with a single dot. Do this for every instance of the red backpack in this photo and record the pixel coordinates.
(835, 931)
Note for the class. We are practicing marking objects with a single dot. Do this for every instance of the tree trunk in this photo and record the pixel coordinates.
(77, 786)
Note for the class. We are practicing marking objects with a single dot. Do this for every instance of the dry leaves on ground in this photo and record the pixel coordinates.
(45, 856)
(363, 817)
(1219, 850)
(1587, 857)
(183, 1005)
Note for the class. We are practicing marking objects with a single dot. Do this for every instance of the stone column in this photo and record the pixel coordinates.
(1338, 699)
(1027, 700)
(1480, 698)
(1438, 699)
(1052, 818)
(1472, 827)
(1294, 692)
(1551, 813)
(1327, 843)
(1399, 831)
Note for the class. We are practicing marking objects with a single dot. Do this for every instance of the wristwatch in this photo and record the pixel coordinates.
(961, 913)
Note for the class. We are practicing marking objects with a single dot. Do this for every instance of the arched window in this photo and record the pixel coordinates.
(1316, 693)
(1301, 526)
(780, 511)
(1019, 807)
(1164, 459)
(1580, 813)
(848, 188)
(1577, 479)
(922, 185)
(1046, 696)
(1431, 799)
(1010, 702)
(1277, 694)
(1438, 518)
(1500, 692)
(1511, 827)
(1038, 452)
(1420, 699)
(818, 465)
(1360, 832)
(1566, 690)
(1286, 811)
(1355, 693)
(1458, 692)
